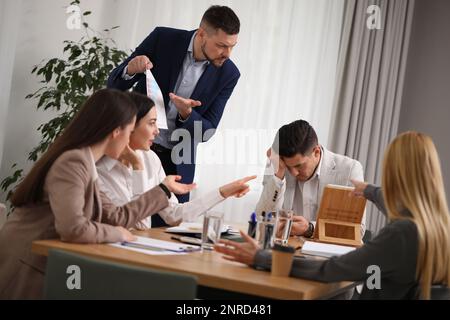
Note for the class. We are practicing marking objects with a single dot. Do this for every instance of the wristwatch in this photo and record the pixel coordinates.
(310, 231)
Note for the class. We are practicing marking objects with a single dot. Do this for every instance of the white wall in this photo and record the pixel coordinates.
(36, 30)
(9, 10)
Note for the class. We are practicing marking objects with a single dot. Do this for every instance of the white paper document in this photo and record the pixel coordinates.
(155, 247)
(325, 249)
(154, 93)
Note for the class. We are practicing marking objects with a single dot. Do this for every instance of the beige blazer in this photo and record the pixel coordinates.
(73, 210)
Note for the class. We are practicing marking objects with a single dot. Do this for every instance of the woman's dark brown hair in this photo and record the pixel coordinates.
(104, 111)
(143, 104)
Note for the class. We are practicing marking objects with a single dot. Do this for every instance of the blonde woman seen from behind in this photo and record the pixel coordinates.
(412, 182)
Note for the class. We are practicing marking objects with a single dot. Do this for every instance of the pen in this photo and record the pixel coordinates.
(252, 225)
(148, 247)
(187, 240)
(141, 246)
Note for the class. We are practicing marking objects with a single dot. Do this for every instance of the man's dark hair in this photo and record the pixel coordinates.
(222, 17)
(294, 138)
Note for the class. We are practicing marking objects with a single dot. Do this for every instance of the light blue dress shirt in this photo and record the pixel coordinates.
(190, 73)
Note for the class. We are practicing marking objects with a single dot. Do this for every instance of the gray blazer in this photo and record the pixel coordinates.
(335, 169)
(394, 250)
(73, 210)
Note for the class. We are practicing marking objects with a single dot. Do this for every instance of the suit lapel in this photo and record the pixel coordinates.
(97, 201)
(92, 186)
(327, 171)
(180, 53)
(204, 80)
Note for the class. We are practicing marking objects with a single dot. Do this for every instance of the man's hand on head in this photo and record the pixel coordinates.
(278, 164)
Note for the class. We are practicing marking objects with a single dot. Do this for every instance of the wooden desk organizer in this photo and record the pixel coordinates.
(339, 217)
(334, 231)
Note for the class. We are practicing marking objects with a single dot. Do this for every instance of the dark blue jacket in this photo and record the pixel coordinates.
(166, 48)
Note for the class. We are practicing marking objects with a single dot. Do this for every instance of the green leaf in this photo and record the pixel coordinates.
(7, 183)
(67, 47)
(48, 76)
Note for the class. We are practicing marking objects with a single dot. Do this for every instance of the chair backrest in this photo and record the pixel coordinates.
(367, 236)
(440, 293)
(71, 276)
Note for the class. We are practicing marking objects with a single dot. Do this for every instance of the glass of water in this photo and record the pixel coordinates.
(265, 230)
(283, 226)
(212, 229)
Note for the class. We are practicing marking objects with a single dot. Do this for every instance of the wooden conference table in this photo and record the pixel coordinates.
(211, 270)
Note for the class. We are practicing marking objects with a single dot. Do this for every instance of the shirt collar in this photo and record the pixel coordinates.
(106, 163)
(317, 173)
(190, 50)
(94, 168)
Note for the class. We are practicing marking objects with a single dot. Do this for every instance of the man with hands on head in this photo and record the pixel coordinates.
(301, 170)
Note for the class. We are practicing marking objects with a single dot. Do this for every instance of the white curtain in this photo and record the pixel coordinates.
(368, 100)
(287, 54)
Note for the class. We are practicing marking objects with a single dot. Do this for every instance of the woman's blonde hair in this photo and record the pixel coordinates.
(412, 181)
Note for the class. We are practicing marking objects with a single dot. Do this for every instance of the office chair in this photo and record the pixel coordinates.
(440, 293)
(367, 236)
(71, 276)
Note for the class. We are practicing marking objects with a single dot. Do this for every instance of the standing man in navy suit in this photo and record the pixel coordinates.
(196, 77)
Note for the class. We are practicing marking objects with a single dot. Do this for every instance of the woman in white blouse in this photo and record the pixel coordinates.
(139, 169)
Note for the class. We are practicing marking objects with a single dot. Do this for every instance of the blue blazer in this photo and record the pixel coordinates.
(166, 49)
